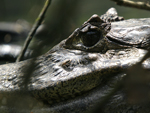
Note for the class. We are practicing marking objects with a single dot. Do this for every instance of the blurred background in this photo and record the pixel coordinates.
(62, 18)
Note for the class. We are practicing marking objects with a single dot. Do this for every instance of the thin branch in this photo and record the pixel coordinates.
(37, 23)
(145, 57)
(129, 3)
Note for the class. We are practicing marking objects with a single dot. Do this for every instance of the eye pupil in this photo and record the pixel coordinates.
(90, 38)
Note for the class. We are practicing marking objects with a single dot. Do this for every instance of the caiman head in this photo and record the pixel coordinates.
(83, 61)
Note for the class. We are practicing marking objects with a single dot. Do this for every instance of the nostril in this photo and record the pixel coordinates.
(67, 65)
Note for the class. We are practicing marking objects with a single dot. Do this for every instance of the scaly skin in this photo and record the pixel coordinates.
(71, 69)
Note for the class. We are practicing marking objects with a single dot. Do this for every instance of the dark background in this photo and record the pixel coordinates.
(62, 17)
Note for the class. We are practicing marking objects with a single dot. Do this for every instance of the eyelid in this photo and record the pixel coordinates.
(93, 27)
(85, 29)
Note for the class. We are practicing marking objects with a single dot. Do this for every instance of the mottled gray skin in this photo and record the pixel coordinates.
(71, 76)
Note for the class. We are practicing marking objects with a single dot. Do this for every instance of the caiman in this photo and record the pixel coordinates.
(81, 70)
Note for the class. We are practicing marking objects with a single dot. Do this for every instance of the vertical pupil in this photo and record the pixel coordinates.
(90, 38)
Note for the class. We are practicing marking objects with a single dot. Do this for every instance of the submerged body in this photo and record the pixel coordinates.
(76, 70)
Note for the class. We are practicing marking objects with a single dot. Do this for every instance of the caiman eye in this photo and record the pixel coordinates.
(90, 38)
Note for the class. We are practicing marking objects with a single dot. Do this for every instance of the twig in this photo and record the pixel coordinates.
(129, 3)
(37, 23)
(145, 57)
